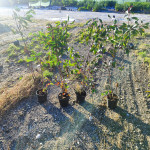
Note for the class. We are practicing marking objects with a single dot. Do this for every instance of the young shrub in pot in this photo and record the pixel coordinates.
(57, 43)
(42, 91)
(80, 93)
(42, 95)
(112, 100)
(105, 41)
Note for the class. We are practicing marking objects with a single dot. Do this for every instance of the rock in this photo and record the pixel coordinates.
(90, 118)
(17, 69)
(38, 136)
(41, 144)
(44, 130)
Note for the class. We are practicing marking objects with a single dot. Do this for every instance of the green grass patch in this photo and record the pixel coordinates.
(12, 47)
(147, 34)
(21, 61)
(75, 25)
(147, 60)
(142, 54)
(47, 74)
(12, 54)
(144, 46)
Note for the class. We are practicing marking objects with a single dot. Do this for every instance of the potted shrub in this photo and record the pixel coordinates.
(42, 92)
(112, 100)
(105, 41)
(41, 95)
(84, 81)
(80, 93)
(55, 42)
(63, 97)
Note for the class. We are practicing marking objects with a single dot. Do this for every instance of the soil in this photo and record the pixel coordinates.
(89, 126)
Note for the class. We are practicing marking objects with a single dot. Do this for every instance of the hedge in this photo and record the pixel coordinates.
(137, 7)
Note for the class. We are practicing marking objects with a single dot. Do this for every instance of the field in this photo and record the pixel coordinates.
(27, 125)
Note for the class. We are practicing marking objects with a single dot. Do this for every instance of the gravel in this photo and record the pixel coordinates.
(55, 15)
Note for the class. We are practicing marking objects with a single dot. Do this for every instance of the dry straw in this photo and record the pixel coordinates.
(22, 89)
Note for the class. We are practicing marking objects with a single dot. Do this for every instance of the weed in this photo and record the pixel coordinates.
(12, 54)
(47, 74)
(142, 54)
(12, 47)
(21, 61)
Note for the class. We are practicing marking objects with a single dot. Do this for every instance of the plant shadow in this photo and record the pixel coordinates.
(56, 112)
(99, 113)
(74, 125)
(119, 58)
(145, 128)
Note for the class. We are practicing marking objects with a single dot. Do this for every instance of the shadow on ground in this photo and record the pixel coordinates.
(145, 128)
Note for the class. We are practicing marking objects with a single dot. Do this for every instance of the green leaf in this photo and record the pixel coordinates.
(102, 94)
(94, 91)
(135, 18)
(106, 92)
(46, 73)
(20, 77)
(14, 32)
(72, 22)
(100, 20)
(88, 21)
(121, 68)
(114, 64)
(109, 16)
(30, 59)
(39, 54)
(115, 21)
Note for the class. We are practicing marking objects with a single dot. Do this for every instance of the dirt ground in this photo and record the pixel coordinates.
(30, 126)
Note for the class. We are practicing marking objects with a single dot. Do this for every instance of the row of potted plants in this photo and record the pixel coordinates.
(104, 42)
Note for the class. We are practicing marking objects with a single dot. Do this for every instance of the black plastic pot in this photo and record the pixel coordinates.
(80, 96)
(112, 100)
(63, 99)
(42, 96)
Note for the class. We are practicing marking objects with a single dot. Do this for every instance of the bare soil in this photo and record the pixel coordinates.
(89, 126)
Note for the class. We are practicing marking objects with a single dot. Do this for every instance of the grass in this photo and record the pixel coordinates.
(12, 54)
(21, 61)
(75, 25)
(46, 73)
(22, 89)
(142, 54)
(145, 57)
(144, 46)
(147, 34)
(12, 47)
